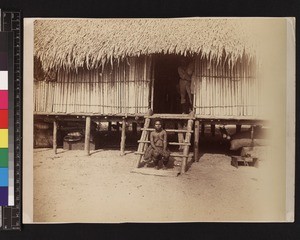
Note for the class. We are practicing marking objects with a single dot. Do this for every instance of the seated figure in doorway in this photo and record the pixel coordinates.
(157, 151)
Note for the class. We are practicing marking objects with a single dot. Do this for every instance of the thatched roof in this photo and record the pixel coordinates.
(73, 43)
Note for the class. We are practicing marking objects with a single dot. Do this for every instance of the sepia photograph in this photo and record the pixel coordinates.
(159, 120)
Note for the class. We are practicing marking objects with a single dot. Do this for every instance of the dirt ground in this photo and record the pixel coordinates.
(71, 187)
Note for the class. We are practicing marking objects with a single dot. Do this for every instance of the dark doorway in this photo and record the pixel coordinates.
(166, 97)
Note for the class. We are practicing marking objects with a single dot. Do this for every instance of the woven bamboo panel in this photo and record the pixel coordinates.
(224, 90)
(117, 88)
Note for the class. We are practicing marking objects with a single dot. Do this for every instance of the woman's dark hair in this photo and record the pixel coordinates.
(158, 120)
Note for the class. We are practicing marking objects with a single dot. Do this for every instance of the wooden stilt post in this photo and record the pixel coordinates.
(213, 130)
(55, 137)
(238, 128)
(196, 141)
(252, 136)
(186, 147)
(123, 137)
(87, 135)
(109, 126)
(202, 130)
(118, 126)
(252, 133)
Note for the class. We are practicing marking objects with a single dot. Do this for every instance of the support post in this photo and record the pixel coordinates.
(186, 147)
(202, 130)
(123, 137)
(55, 137)
(196, 141)
(118, 126)
(87, 135)
(213, 130)
(252, 135)
(252, 132)
(109, 126)
(238, 128)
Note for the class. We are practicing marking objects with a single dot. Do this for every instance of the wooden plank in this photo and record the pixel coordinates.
(168, 130)
(172, 116)
(179, 155)
(234, 122)
(203, 118)
(196, 141)
(229, 117)
(162, 173)
(172, 154)
(139, 153)
(87, 135)
(55, 136)
(179, 144)
(170, 143)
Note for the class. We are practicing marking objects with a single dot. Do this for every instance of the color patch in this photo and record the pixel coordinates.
(3, 196)
(3, 177)
(3, 118)
(3, 158)
(3, 61)
(3, 138)
(3, 80)
(4, 41)
(3, 99)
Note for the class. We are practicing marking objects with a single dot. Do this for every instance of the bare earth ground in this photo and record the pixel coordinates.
(70, 187)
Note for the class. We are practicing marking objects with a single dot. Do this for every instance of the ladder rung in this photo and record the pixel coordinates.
(180, 144)
(139, 153)
(143, 141)
(172, 116)
(168, 130)
(172, 154)
(178, 155)
(170, 143)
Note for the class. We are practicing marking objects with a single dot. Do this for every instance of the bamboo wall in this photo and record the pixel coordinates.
(223, 90)
(125, 88)
(119, 89)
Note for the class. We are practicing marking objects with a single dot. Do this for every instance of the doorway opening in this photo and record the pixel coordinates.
(166, 98)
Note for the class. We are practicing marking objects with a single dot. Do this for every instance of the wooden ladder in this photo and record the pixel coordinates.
(144, 141)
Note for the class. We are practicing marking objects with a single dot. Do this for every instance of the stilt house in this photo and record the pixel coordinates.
(121, 68)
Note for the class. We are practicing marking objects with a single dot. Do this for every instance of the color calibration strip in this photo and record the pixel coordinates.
(11, 215)
(6, 163)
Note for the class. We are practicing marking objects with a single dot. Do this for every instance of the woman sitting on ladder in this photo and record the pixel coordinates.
(157, 151)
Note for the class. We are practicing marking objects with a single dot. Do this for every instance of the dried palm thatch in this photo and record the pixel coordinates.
(90, 43)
